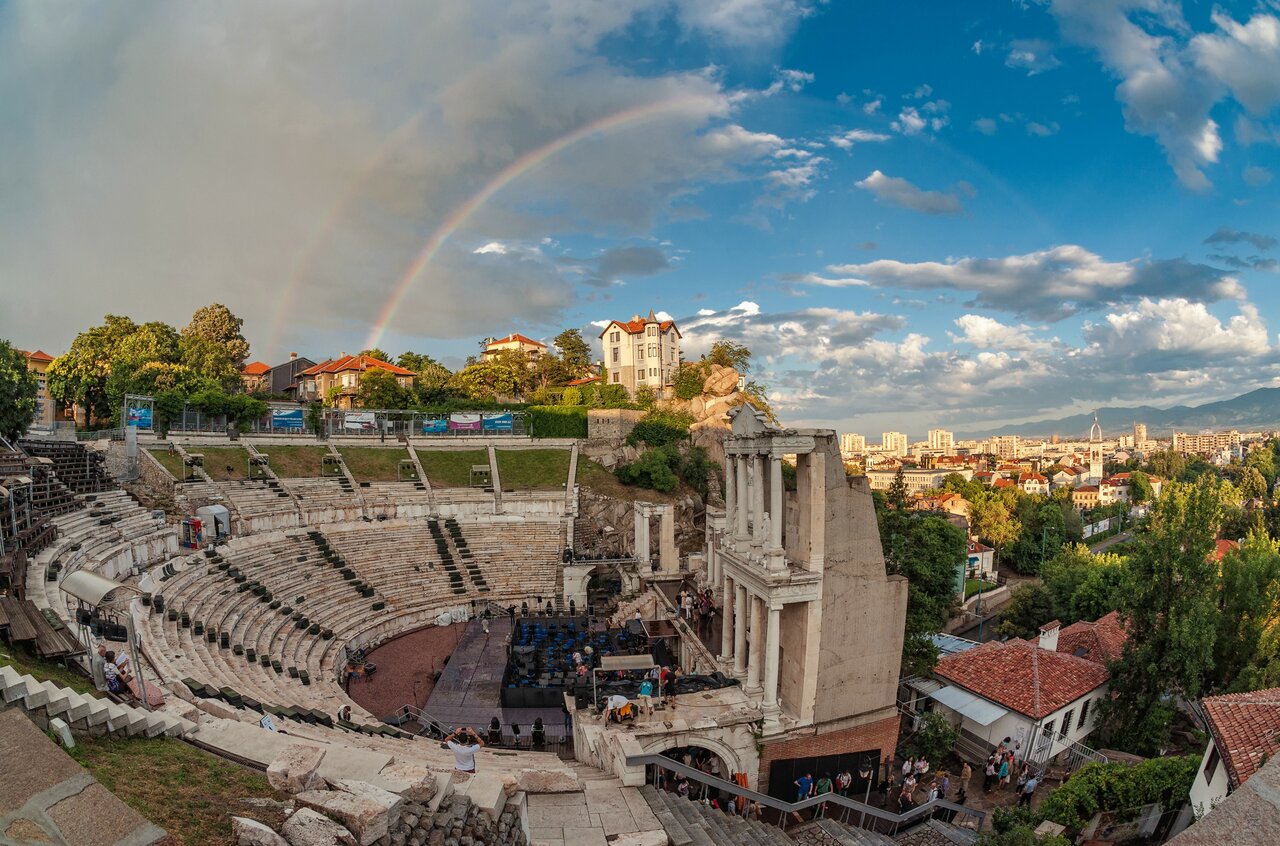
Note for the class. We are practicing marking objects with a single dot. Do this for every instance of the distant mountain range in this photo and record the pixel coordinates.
(1252, 412)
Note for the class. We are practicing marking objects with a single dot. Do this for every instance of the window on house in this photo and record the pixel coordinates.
(1084, 714)
(1066, 721)
(640, 353)
(617, 376)
(640, 375)
(615, 337)
(653, 330)
(1211, 765)
(1048, 729)
(616, 354)
(653, 350)
(653, 371)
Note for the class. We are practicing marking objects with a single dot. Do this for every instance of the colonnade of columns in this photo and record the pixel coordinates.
(755, 658)
(750, 523)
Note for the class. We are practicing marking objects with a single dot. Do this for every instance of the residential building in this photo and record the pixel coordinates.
(1067, 477)
(343, 374)
(1206, 443)
(1045, 700)
(852, 445)
(941, 439)
(1101, 641)
(1244, 733)
(1139, 435)
(948, 503)
(38, 363)
(641, 352)
(525, 347)
(254, 376)
(1004, 446)
(981, 561)
(894, 443)
(917, 479)
(1085, 497)
(1034, 484)
(283, 378)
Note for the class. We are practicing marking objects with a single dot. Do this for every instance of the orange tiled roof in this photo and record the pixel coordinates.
(38, 355)
(1222, 547)
(254, 368)
(636, 327)
(1102, 640)
(514, 337)
(1032, 477)
(586, 380)
(1246, 729)
(1022, 676)
(1006, 483)
(1087, 489)
(354, 362)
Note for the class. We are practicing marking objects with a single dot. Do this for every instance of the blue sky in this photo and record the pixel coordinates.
(916, 214)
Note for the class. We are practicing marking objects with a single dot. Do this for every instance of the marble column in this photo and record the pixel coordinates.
(728, 609)
(642, 540)
(730, 492)
(757, 502)
(739, 630)
(668, 555)
(772, 644)
(775, 502)
(755, 660)
(744, 506)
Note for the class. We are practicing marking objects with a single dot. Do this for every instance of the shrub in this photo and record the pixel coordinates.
(689, 380)
(660, 428)
(571, 396)
(936, 738)
(645, 397)
(650, 470)
(1115, 787)
(558, 421)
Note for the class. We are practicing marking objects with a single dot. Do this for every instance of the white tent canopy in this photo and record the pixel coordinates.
(90, 587)
(963, 702)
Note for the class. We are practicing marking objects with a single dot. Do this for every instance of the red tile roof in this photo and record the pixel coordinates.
(1246, 729)
(514, 337)
(354, 362)
(586, 380)
(1005, 483)
(254, 368)
(1222, 547)
(1102, 640)
(977, 546)
(636, 327)
(38, 355)
(1023, 677)
(1032, 477)
(1087, 489)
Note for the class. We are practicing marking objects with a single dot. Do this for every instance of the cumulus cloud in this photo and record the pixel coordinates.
(1042, 130)
(200, 146)
(809, 334)
(1047, 285)
(1031, 55)
(986, 333)
(1170, 77)
(846, 140)
(789, 80)
(615, 265)
(899, 192)
(1177, 334)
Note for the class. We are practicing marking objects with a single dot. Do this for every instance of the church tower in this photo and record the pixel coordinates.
(1095, 452)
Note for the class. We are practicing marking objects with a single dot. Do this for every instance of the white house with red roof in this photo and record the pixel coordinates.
(981, 561)
(344, 373)
(1244, 733)
(641, 352)
(254, 376)
(1043, 699)
(522, 345)
(1034, 484)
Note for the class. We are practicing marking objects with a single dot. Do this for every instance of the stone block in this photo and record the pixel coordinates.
(488, 793)
(641, 838)
(308, 828)
(548, 781)
(296, 769)
(414, 783)
(368, 811)
(253, 833)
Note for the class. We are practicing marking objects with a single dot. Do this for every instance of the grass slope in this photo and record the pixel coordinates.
(186, 791)
(224, 464)
(374, 464)
(171, 462)
(451, 468)
(28, 663)
(593, 476)
(539, 469)
(295, 462)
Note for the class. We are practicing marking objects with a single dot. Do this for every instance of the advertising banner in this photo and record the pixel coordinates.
(460, 421)
(498, 422)
(286, 418)
(140, 417)
(359, 421)
(435, 427)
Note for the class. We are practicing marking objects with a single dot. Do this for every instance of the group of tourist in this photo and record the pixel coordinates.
(697, 607)
(999, 772)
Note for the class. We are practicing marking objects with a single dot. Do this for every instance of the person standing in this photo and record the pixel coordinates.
(844, 779)
(990, 775)
(646, 697)
(823, 787)
(465, 744)
(1004, 771)
(1028, 790)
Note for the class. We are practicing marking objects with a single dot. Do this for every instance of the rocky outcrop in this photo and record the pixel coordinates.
(605, 526)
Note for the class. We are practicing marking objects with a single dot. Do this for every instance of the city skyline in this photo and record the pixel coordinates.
(1035, 210)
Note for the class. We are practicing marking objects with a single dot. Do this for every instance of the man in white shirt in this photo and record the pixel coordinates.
(613, 704)
(465, 744)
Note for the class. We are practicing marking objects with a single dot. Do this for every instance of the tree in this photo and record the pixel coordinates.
(1083, 585)
(487, 380)
(728, 353)
(1169, 609)
(1264, 461)
(380, 355)
(1249, 606)
(215, 324)
(936, 738)
(1253, 485)
(1140, 489)
(574, 353)
(80, 375)
(379, 389)
(18, 391)
(1030, 606)
(431, 378)
(651, 470)
(993, 521)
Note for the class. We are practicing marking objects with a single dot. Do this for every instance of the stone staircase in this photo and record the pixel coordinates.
(828, 832)
(690, 823)
(43, 701)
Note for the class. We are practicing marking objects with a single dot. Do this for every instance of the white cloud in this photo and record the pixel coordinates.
(986, 333)
(1245, 57)
(899, 192)
(1042, 130)
(920, 93)
(792, 184)
(986, 126)
(1046, 285)
(977, 47)
(1032, 55)
(909, 122)
(789, 80)
(873, 106)
(493, 247)
(1178, 333)
(846, 140)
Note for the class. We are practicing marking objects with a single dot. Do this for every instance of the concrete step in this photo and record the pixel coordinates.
(848, 835)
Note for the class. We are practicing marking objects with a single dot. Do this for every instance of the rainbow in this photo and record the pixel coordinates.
(513, 171)
(302, 268)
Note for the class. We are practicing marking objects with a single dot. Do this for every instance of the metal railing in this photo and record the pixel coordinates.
(552, 742)
(101, 435)
(886, 822)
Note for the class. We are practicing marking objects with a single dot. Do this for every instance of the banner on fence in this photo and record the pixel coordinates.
(286, 418)
(435, 427)
(140, 417)
(1096, 528)
(359, 421)
(498, 422)
(460, 421)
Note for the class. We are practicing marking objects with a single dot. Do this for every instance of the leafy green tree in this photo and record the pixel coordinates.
(487, 380)
(1030, 606)
(574, 354)
(659, 428)
(1264, 461)
(1167, 464)
(651, 470)
(431, 378)
(216, 325)
(379, 389)
(728, 353)
(1095, 787)
(1253, 485)
(993, 521)
(80, 375)
(1169, 608)
(689, 379)
(1084, 585)
(18, 391)
(1140, 489)
(936, 738)
(375, 352)
(168, 407)
(1249, 606)
(645, 397)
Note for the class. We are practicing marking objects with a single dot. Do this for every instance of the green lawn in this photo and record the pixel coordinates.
(186, 791)
(224, 464)
(972, 586)
(27, 663)
(171, 462)
(451, 468)
(374, 464)
(295, 462)
(541, 469)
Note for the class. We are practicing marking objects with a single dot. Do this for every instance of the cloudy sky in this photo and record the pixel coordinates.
(915, 213)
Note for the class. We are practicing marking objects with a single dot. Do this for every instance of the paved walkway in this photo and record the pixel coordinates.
(601, 812)
(47, 798)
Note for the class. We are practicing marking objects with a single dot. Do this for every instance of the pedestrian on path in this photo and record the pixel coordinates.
(1027, 790)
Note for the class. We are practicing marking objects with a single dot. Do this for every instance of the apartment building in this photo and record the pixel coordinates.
(894, 443)
(38, 363)
(1206, 443)
(642, 351)
(916, 479)
(941, 439)
(851, 445)
(1004, 446)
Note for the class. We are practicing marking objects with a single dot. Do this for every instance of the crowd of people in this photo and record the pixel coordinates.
(697, 607)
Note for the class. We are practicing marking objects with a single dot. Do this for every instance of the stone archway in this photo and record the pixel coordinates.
(730, 758)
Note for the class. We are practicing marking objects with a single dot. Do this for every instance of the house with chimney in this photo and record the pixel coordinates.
(641, 352)
(525, 347)
(340, 378)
